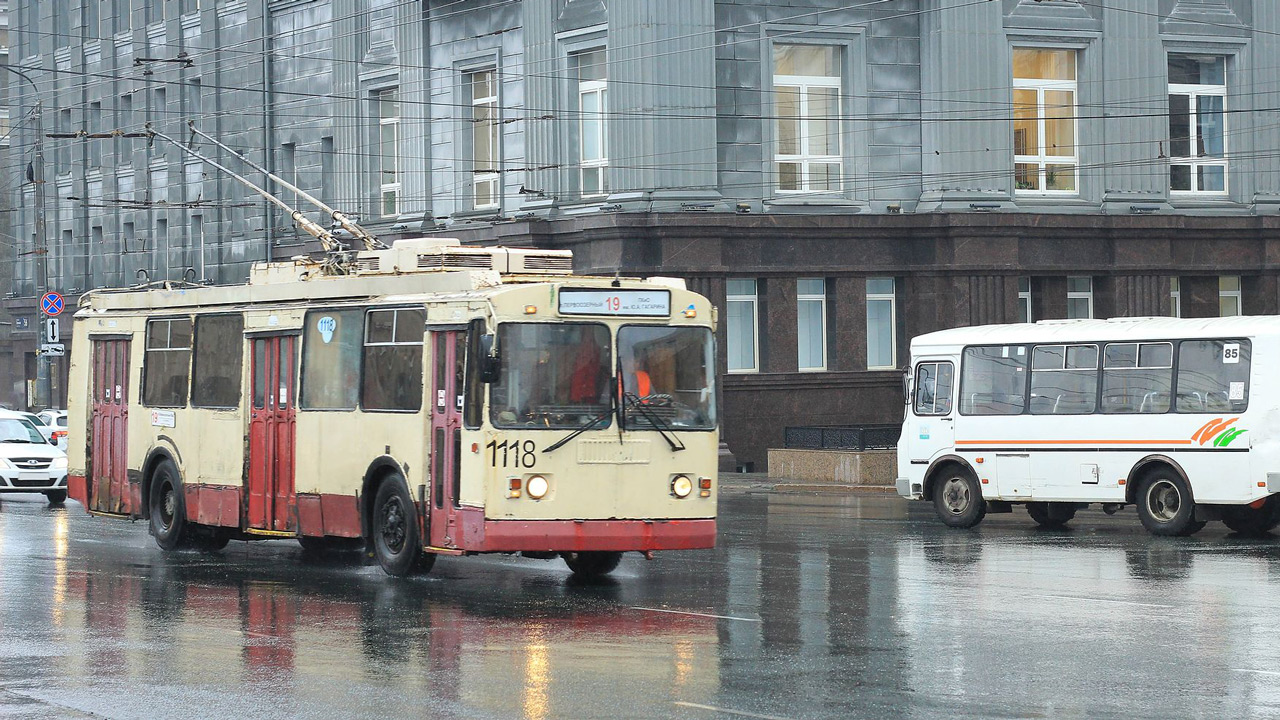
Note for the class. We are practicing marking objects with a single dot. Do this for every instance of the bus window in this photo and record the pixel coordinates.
(1137, 377)
(670, 370)
(553, 376)
(993, 380)
(219, 354)
(473, 393)
(167, 363)
(933, 388)
(331, 359)
(1213, 376)
(1064, 379)
(393, 359)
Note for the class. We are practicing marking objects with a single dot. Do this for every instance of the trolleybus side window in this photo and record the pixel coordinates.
(1064, 379)
(167, 363)
(993, 380)
(670, 371)
(1213, 376)
(331, 345)
(552, 376)
(1137, 377)
(219, 355)
(473, 403)
(933, 388)
(392, 376)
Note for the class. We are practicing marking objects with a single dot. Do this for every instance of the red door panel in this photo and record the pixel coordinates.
(449, 354)
(108, 426)
(271, 434)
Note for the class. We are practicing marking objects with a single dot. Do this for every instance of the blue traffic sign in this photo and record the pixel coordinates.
(51, 303)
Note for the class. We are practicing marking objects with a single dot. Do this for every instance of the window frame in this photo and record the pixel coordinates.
(493, 174)
(893, 322)
(1066, 354)
(423, 405)
(754, 300)
(1080, 295)
(380, 97)
(1194, 92)
(582, 89)
(146, 365)
(1041, 159)
(303, 338)
(803, 84)
(195, 341)
(1175, 296)
(821, 300)
(1138, 344)
(1229, 294)
(915, 388)
(1025, 306)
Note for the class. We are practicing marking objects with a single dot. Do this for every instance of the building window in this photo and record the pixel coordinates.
(881, 323)
(1079, 298)
(744, 319)
(806, 84)
(593, 131)
(485, 137)
(1024, 300)
(388, 102)
(1044, 125)
(811, 323)
(1197, 139)
(1175, 297)
(1229, 296)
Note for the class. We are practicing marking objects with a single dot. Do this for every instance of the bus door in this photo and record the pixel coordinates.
(272, 423)
(447, 383)
(108, 427)
(932, 427)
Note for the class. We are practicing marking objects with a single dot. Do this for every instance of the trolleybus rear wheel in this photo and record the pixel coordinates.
(1248, 520)
(1051, 515)
(168, 512)
(592, 564)
(1165, 506)
(397, 539)
(958, 499)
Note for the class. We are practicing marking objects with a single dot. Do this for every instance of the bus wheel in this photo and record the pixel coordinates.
(592, 564)
(958, 499)
(1051, 515)
(1165, 506)
(397, 541)
(168, 512)
(211, 540)
(1248, 520)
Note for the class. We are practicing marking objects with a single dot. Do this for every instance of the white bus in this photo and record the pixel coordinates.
(1165, 414)
(433, 400)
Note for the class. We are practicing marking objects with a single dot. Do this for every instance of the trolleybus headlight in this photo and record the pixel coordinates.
(681, 486)
(537, 487)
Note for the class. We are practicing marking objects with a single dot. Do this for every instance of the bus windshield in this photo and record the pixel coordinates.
(671, 371)
(553, 376)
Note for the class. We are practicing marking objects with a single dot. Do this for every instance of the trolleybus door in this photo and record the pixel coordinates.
(449, 362)
(108, 440)
(272, 421)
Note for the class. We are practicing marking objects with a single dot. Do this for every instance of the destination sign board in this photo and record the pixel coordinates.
(636, 303)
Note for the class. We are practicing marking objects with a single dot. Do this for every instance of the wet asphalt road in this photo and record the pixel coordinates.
(811, 607)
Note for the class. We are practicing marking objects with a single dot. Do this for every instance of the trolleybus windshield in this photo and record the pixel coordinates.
(553, 376)
(670, 370)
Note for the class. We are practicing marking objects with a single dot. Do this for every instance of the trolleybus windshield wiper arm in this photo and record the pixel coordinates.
(658, 423)
(589, 424)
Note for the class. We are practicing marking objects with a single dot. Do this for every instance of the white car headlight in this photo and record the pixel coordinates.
(59, 463)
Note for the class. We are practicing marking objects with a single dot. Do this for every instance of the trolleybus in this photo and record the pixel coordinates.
(1164, 414)
(434, 399)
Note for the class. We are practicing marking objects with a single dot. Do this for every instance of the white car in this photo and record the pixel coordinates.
(28, 463)
(56, 421)
(39, 422)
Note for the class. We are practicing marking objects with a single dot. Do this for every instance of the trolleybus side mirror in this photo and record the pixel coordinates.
(490, 362)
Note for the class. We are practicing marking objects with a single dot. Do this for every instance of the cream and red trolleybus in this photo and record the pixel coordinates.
(432, 399)
(1161, 413)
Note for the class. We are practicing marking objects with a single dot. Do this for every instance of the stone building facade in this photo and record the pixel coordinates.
(837, 176)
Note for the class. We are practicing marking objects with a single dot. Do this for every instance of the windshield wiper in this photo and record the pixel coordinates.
(658, 423)
(18, 440)
(590, 424)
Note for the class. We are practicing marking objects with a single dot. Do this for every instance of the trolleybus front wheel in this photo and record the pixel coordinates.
(1051, 515)
(592, 564)
(168, 513)
(397, 540)
(1250, 520)
(1165, 506)
(958, 499)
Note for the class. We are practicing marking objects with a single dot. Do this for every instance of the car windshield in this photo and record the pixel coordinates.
(671, 372)
(552, 377)
(35, 419)
(19, 430)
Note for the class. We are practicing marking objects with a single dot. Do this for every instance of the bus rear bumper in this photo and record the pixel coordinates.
(585, 535)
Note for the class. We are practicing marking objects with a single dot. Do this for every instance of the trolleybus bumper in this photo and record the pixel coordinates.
(585, 535)
(907, 491)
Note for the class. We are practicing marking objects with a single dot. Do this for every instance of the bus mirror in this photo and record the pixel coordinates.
(490, 362)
